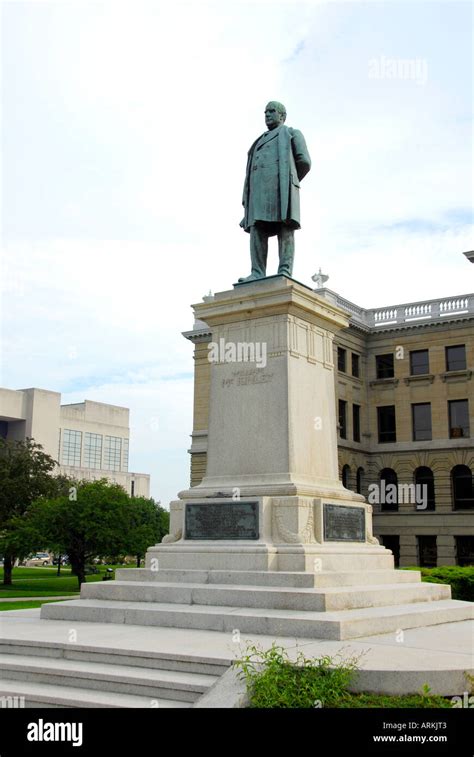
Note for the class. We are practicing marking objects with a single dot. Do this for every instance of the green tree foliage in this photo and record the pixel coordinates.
(93, 519)
(25, 475)
(148, 524)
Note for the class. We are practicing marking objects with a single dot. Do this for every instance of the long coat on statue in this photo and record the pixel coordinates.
(277, 161)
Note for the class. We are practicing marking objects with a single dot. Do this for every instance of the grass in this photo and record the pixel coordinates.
(44, 582)
(4, 606)
(274, 681)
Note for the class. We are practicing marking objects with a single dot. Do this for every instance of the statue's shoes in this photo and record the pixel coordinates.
(244, 279)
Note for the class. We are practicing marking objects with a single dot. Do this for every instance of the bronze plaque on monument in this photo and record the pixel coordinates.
(343, 523)
(226, 520)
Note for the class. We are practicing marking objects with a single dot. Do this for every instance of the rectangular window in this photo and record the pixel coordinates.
(132, 488)
(427, 551)
(464, 550)
(341, 359)
(72, 441)
(356, 423)
(462, 484)
(112, 453)
(421, 421)
(384, 366)
(342, 419)
(386, 424)
(355, 365)
(393, 543)
(456, 358)
(125, 444)
(458, 411)
(92, 450)
(419, 362)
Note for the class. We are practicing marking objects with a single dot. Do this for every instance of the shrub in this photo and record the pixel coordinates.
(274, 681)
(460, 579)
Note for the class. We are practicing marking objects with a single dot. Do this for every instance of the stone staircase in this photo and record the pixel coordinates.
(333, 605)
(62, 675)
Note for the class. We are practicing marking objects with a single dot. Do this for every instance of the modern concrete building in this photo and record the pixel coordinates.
(404, 394)
(90, 440)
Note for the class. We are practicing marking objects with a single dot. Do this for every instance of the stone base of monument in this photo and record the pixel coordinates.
(278, 580)
(288, 585)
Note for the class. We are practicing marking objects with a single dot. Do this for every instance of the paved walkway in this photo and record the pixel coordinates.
(393, 663)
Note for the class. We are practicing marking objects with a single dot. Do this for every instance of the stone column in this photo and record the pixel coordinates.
(446, 545)
(408, 550)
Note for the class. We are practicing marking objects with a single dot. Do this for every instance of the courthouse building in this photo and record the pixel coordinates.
(90, 440)
(405, 409)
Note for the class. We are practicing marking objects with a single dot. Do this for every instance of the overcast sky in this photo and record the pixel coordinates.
(125, 128)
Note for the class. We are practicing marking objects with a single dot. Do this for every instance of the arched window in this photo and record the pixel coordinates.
(388, 490)
(461, 482)
(359, 480)
(425, 490)
(346, 471)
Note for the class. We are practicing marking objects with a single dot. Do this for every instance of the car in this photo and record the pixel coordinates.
(39, 559)
(64, 560)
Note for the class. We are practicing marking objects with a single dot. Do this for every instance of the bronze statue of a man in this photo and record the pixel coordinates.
(277, 161)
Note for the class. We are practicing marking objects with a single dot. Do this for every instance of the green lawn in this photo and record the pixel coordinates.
(44, 582)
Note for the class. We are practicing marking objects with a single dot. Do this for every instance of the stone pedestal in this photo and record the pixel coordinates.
(272, 439)
(272, 422)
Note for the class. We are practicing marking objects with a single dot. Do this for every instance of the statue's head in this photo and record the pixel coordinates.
(275, 114)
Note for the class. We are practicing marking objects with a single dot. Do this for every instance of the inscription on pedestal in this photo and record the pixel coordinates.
(226, 520)
(342, 523)
(248, 377)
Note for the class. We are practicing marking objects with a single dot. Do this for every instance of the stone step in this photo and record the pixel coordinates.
(51, 695)
(335, 625)
(129, 657)
(366, 577)
(287, 558)
(271, 578)
(121, 679)
(274, 598)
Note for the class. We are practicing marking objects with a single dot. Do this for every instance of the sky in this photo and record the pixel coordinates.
(124, 133)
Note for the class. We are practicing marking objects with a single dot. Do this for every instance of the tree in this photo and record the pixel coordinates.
(148, 524)
(25, 475)
(96, 519)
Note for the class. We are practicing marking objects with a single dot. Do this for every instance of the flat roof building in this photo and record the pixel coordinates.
(90, 440)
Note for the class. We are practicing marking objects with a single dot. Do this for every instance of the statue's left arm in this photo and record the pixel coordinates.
(300, 153)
